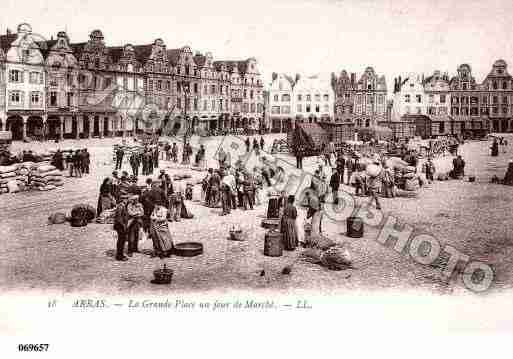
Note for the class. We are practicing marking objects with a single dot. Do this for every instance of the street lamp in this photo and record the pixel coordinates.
(184, 85)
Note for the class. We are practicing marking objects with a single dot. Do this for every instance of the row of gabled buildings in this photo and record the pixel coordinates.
(56, 88)
(342, 98)
(444, 105)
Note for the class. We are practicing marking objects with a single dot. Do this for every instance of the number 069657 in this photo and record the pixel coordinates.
(33, 347)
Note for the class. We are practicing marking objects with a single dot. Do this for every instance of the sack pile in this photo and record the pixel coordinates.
(46, 177)
(7, 178)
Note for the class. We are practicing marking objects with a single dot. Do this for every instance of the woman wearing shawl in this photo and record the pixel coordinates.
(288, 225)
(106, 199)
(159, 232)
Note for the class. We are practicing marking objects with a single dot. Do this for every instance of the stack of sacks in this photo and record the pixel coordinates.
(7, 179)
(46, 177)
(23, 174)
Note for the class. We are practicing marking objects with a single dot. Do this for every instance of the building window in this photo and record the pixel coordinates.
(70, 99)
(34, 78)
(285, 98)
(464, 87)
(213, 105)
(326, 97)
(251, 94)
(276, 98)
(213, 89)
(347, 96)
(442, 127)
(299, 98)
(317, 97)
(179, 103)
(308, 97)
(406, 99)
(495, 110)
(15, 76)
(53, 98)
(205, 105)
(495, 99)
(285, 109)
(419, 110)
(419, 98)
(299, 108)
(221, 104)
(15, 98)
(253, 108)
(35, 98)
(150, 85)
(505, 100)
(494, 85)
(159, 85)
(455, 111)
(326, 108)
(317, 108)
(442, 111)
(442, 98)
(504, 85)
(307, 108)
(195, 88)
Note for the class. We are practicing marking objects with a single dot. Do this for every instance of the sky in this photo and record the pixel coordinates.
(396, 37)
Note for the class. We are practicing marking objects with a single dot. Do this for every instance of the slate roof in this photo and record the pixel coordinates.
(6, 41)
(173, 55)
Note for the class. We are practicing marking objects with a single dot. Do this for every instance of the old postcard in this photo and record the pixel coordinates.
(328, 177)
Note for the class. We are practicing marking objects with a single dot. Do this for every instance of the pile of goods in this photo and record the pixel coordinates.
(9, 179)
(327, 253)
(29, 175)
(46, 177)
(280, 146)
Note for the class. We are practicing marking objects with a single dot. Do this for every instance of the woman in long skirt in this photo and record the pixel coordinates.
(289, 226)
(159, 232)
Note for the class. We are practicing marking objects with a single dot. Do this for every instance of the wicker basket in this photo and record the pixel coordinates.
(236, 235)
(163, 275)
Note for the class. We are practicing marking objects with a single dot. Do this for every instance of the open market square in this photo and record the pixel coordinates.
(471, 217)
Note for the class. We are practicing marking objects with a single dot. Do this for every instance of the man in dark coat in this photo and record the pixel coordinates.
(119, 158)
(156, 157)
(341, 164)
(121, 227)
(58, 160)
(248, 144)
(335, 184)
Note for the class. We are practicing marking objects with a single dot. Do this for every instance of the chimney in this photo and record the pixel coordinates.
(353, 78)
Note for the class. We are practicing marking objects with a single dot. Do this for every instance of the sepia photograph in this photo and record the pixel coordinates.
(249, 178)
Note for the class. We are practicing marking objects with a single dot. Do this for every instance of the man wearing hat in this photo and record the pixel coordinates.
(121, 218)
(374, 184)
(135, 214)
(335, 184)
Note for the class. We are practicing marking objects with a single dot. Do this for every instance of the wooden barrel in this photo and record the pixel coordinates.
(354, 227)
(273, 244)
(273, 207)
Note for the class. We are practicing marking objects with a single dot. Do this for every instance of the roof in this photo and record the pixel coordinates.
(78, 48)
(116, 52)
(7, 40)
(173, 55)
(143, 52)
(46, 46)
